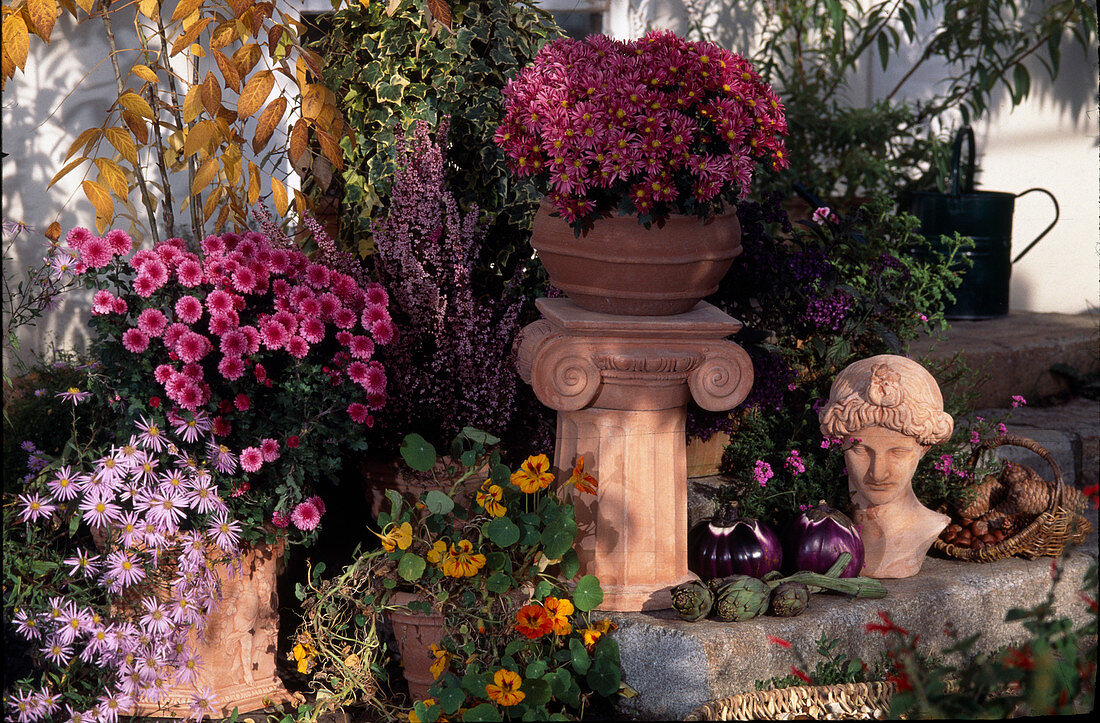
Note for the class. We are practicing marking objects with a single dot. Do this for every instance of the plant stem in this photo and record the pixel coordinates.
(105, 9)
(154, 100)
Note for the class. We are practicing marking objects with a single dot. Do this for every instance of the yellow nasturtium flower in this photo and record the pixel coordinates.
(534, 474)
(461, 561)
(505, 688)
(397, 538)
(304, 654)
(559, 610)
(489, 498)
(414, 718)
(437, 553)
(440, 660)
(594, 633)
(583, 481)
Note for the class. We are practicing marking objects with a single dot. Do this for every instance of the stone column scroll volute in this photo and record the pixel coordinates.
(562, 373)
(724, 378)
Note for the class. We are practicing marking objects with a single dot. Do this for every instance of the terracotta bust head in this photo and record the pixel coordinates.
(888, 410)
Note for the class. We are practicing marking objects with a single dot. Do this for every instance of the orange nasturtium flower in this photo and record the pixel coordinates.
(437, 553)
(594, 633)
(559, 610)
(397, 538)
(533, 622)
(581, 479)
(461, 561)
(505, 688)
(489, 499)
(534, 474)
(441, 659)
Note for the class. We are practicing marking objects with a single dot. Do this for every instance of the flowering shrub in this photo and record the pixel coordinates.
(518, 635)
(814, 300)
(259, 359)
(112, 624)
(651, 127)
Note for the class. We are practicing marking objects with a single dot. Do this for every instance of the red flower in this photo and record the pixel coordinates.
(533, 622)
(1092, 492)
(779, 641)
(802, 676)
(154, 402)
(889, 627)
(292, 441)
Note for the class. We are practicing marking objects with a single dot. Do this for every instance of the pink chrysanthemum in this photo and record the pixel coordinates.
(305, 516)
(358, 412)
(361, 347)
(317, 276)
(269, 448)
(188, 309)
(78, 236)
(152, 322)
(312, 330)
(231, 367)
(219, 301)
(120, 306)
(244, 280)
(144, 286)
(173, 333)
(220, 324)
(251, 459)
(373, 313)
(297, 347)
(119, 241)
(135, 340)
(377, 295)
(318, 503)
(383, 331)
(192, 346)
(103, 302)
(273, 334)
(213, 246)
(280, 519)
(189, 273)
(234, 343)
(163, 373)
(375, 380)
(95, 252)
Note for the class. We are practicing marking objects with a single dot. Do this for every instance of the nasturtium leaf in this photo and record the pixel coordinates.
(418, 452)
(451, 699)
(604, 677)
(588, 594)
(581, 661)
(499, 583)
(515, 646)
(411, 566)
(438, 503)
(502, 532)
(535, 669)
(500, 474)
(483, 712)
(570, 564)
(542, 589)
(468, 458)
(558, 539)
(537, 690)
(426, 713)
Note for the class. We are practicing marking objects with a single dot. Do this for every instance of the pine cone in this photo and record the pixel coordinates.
(984, 496)
(1028, 494)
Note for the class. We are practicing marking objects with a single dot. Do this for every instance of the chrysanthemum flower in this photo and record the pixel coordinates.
(269, 448)
(135, 340)
(251, 459)
(305, 516)
(188, 309)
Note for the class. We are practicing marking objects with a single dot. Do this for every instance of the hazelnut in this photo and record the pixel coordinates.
(980, 527)
(965, 521)
(989, 539)
(977, 544)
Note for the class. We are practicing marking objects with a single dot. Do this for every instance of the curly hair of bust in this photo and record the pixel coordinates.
(886, 391)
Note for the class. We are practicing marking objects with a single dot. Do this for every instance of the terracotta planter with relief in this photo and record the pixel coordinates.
(415, 634)
(622, 268)
(239, 645)
(395, 475)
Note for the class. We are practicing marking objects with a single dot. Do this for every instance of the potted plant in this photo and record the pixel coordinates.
(258, 361)
(657, 131)
(481, 594)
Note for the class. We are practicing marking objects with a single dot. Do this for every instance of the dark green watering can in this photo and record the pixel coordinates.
(985, 216)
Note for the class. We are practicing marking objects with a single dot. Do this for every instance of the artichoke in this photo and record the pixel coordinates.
(741, 597)
(692, 600)
(789, 599)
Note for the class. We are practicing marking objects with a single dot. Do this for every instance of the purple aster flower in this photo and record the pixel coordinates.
(111, 705)
(64, 485)
(203, 497)
(151, 437)
(225, 532)
(156, 618)
(124, 569)
(58, 652)
(74, 395)
(76, 622)
(188, 670)
(203, 703)
(167, 510)
(99, 511)
(23, 705)
(35, 507)
(27, 625)
(189, 430)
(82, 563)
(145, 466)
(222, 458)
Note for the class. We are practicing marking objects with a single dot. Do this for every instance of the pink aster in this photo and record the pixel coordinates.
(225, 532)
(188, 309)
(135, 340)
(63, 485)
(34, 507)
(251, 459)
(305, 516)
(124, 569)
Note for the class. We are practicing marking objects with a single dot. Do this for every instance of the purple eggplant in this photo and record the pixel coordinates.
(729, 545)
(820, 535)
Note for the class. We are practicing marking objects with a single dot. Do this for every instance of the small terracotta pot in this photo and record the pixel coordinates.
(620, 267)
(704, 458)
(415, 633)
(382, 476)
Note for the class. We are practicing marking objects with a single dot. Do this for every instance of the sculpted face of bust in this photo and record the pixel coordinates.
(881, 463)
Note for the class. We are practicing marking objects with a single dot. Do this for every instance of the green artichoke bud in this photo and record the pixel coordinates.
(789, 599)
(693, 600)
(741, 598)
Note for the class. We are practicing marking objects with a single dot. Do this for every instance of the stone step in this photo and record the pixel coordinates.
(677, 666)
(1017, 352)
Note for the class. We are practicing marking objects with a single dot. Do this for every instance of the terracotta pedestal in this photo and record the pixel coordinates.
(239, 645)
(620, 385)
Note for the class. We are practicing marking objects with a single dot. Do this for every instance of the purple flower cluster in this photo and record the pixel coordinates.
(808, 266)
(154, 504)
(828, 314)
(452, 364)
(762, 472)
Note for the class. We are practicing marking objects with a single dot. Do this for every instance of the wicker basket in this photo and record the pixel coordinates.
(851, 701)
(1048, 534)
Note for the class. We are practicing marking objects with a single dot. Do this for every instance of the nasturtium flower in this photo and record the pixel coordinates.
(440, 659)
(505, 688)
(414, 718)
(534, 474)
(558, 612)
(304, 653)
(398, 538)
(593, 634)
(533, 622)
(583, 481)
(436, 554)
(461, 561)
(489, 499)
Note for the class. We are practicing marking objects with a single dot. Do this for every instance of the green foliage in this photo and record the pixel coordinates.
(813, 300)
(813, 52)
(835, 668)
(393, 64)
(498, 564)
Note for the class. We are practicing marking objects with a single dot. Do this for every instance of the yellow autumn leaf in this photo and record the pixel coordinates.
(254, 94)
(278, 195)
(212, 202)
(211, 94)
(197, 137)
(299, 140)
(122, 142)
(137, 126)
(134, 103)
(185, 8)
(189, 35)
(101, 200)
(266, 123)
(149, 8)
(192, 103)
(111, 176)
(84, 140)
(86, 5)
(253, 183)
(16, 39)
(65, 171)
(229, 71)
(204, 175)
(144, 72)
(43, 14)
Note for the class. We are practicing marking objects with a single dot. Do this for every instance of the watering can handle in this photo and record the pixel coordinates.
(958, 187)
(1057, 214)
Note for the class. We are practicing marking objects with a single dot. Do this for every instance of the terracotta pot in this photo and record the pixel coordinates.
(415, 634)
(619, 267)
(395, 475)
(704, 458)
(239, 645)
